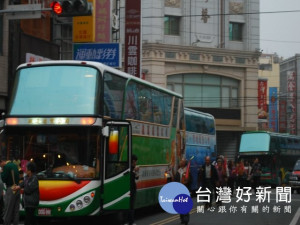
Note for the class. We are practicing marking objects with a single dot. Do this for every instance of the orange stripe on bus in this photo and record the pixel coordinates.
(151, 183)
(53, 190)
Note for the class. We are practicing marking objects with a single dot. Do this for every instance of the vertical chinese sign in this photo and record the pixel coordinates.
(94, 28)
(262, 104)
(103, 20)
(273, 111)
(291, 102)
(133, 37)
(84, 27)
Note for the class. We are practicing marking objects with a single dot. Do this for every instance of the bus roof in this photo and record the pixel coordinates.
(99, 66)
(192, 111)
(260, 141)
(273, 134)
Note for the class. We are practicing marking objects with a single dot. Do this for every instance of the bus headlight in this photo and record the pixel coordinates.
(87, 199)
(72, 207)
(81, 202)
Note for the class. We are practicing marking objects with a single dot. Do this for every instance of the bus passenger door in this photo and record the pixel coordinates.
(117, 165)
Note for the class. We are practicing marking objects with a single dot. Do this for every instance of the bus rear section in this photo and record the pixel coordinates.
(200, 142)
(276, 154)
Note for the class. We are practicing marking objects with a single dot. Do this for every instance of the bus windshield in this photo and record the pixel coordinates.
(64, 153)
(255, 142)
(55, 90)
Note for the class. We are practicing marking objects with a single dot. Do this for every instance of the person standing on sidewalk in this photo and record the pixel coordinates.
(134, 175)
(256, 172)
(182, 176)
(10, 176)
(210, 179)
(31, 197)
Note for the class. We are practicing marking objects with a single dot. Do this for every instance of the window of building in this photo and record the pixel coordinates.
(172, 25)
(206, 90)
(236, 31)
(265, 67)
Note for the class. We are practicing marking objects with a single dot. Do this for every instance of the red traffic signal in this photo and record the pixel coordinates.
(56, 7)
(68, 8)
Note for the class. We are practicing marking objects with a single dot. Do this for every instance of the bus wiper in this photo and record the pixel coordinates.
(72, 177)
(61, 174)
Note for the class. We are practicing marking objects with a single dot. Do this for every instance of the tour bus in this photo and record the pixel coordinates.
(80, 122)
(200, 142)
(277, 154)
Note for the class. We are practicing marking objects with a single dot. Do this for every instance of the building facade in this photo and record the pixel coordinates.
(289, 109)
(205, 50)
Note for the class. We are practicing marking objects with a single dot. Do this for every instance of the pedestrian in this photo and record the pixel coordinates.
(134, 175)
(223, 175)
(232, 175)
(255, 173)
(184, 178)
(209, 179)
(248, 169)
(10, 176)
(31, 197)
(241, 174)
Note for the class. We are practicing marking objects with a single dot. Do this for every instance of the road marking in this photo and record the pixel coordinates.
(296, 217)
(171, 219)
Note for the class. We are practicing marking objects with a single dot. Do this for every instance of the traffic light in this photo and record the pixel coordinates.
(68, 8)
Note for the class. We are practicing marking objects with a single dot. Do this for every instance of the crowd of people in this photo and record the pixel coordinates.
(14, 181)
(223, 173)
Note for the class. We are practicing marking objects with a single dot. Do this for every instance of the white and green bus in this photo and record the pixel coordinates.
(80, 122)
(277, 154)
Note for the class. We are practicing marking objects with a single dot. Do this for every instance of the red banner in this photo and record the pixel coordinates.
(292, 102)
(133, 37)
(262, 99)
(102, 26)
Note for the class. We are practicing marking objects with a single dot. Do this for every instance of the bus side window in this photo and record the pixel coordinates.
(131, 106)
(145, 104)
(157, 99)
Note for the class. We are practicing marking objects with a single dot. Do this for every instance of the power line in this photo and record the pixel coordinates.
(228, 14)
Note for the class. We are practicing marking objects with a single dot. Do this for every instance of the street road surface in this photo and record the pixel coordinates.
(233, 213)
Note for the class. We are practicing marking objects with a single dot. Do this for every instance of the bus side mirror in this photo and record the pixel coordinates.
(105, 131)
(1, 123)
(113, 142)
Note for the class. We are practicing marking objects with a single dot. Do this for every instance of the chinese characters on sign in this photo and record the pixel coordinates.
(133, 37)
(108, 54)
(102, 26)
(262, 197)
(262, 99)
(291, 102)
